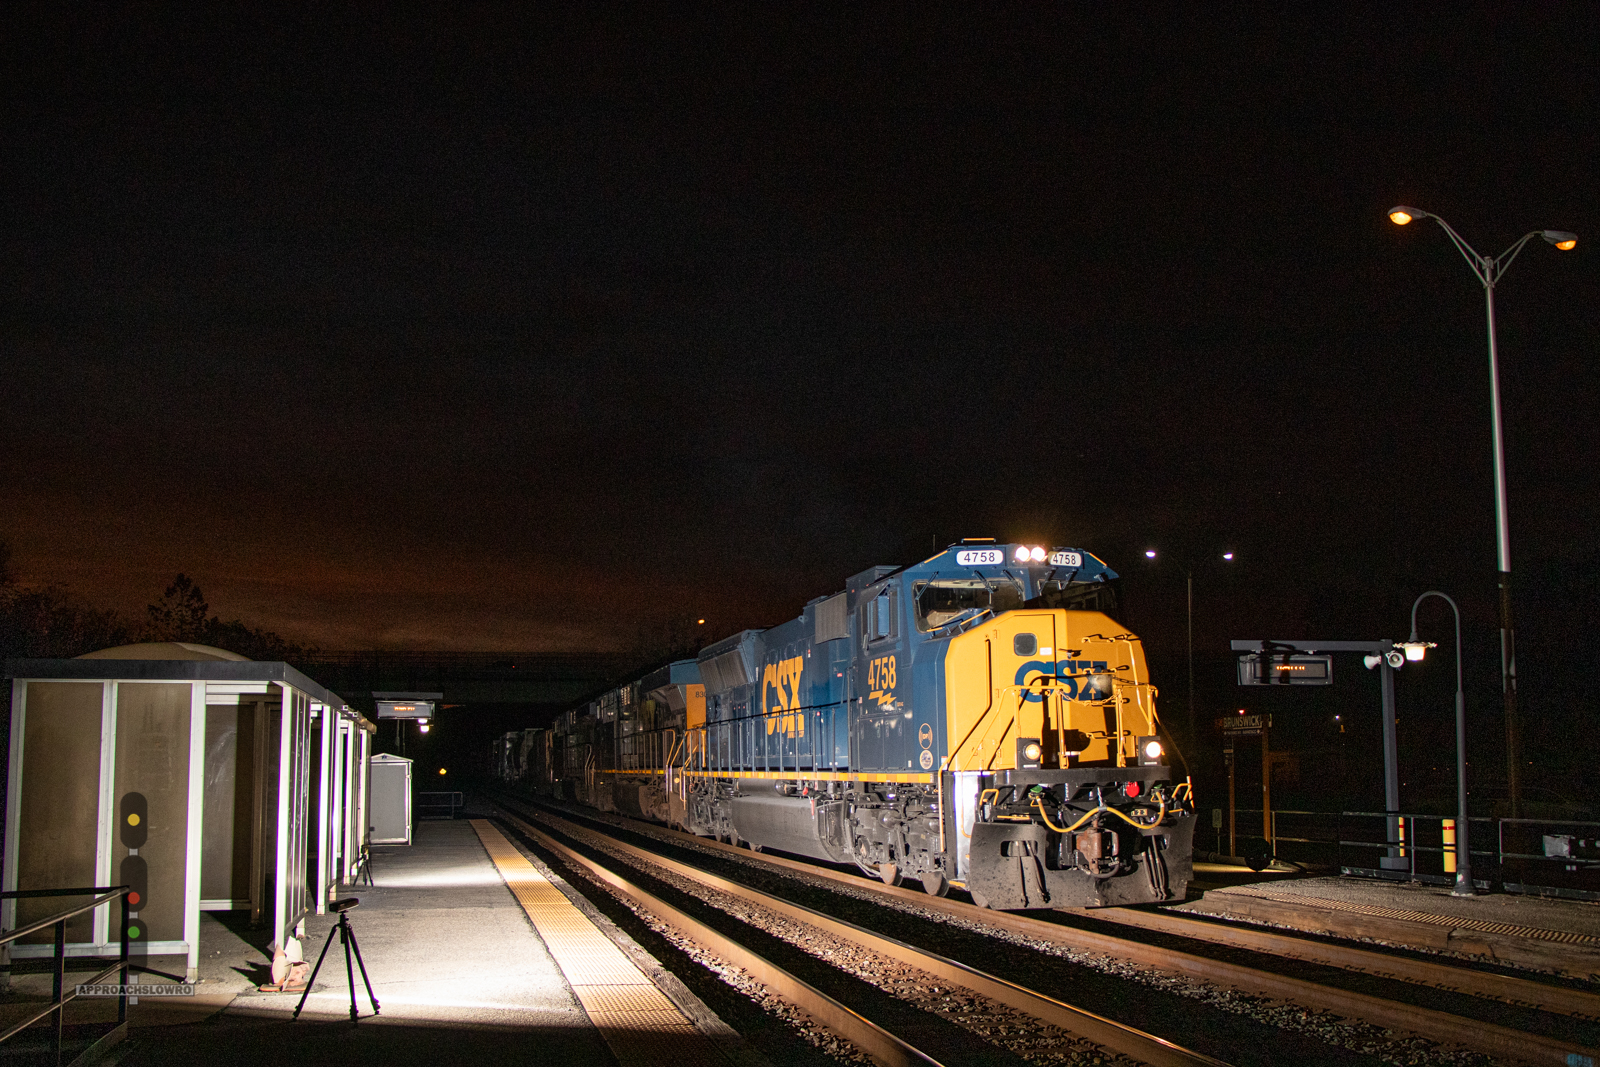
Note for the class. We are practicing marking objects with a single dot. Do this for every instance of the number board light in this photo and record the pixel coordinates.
(980, 557)
(1066, 559)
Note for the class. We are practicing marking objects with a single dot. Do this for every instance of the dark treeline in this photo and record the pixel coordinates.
(51, 622)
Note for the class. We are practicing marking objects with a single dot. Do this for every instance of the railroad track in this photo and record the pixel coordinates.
(878, 1041)
(1504, 1043)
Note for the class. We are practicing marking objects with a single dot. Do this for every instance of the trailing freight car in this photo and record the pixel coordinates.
(978, 719)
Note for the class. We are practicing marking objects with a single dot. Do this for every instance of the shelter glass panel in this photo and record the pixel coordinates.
(60, 800)
(153, 759)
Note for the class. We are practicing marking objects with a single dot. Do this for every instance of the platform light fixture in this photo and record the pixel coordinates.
(1415, 650)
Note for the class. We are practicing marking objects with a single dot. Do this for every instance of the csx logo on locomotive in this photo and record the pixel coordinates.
(780, 689)
(1069, 674)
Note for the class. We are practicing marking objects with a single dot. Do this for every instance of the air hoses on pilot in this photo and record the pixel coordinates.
(1161, 814)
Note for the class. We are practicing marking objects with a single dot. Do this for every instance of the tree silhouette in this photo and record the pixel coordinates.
(181, 614)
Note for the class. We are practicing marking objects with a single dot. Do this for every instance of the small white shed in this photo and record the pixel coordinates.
(391, 800)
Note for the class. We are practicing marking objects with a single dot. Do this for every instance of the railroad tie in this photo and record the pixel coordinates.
(635, 1018)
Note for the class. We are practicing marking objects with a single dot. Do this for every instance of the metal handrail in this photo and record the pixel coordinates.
(60, 997)
(60, 916)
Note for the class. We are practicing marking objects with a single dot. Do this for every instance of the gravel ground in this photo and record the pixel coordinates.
(1353, 1035)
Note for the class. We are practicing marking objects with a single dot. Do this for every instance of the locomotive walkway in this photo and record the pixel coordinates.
(475, 956)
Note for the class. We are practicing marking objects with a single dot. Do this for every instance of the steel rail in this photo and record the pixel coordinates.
(1118, 1037)
(1509, 989)
(1489, 1038)
(883, 1047)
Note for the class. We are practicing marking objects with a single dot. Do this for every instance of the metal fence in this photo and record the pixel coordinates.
(1546, 857)
(437, 805)
(60, 996)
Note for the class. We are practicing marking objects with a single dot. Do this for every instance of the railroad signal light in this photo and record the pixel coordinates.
(133, 820)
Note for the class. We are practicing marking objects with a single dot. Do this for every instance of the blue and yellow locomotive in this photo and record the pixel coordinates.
(977, 719)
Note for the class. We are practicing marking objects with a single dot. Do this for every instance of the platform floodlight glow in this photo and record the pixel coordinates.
(1400, 214)
(1561, 239)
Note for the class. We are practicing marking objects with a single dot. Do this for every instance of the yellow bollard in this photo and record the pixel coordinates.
(1449, 846)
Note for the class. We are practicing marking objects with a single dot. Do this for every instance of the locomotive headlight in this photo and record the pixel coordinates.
(1031, 751)
(1022, 554)
(1152, 750)
(1036, 554)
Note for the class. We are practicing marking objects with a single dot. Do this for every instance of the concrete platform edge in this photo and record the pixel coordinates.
(728, 1040)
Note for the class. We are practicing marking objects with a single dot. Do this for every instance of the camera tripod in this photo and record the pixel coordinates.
(347, 937)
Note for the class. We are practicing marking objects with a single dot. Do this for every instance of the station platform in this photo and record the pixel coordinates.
(474, 954)
(1543, 933)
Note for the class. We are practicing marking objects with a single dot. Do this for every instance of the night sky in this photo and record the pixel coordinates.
(538, 328)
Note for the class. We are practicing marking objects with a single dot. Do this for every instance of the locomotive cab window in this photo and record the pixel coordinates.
(1077, 596)
(878, 616)
(942, 602)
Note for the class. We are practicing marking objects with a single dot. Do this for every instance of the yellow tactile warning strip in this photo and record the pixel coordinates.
(1483, 925)
(635, 1018)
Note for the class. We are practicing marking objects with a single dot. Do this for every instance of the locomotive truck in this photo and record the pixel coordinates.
(978, 719)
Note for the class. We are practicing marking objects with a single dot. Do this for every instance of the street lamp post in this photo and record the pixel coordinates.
(1488, 271)
(1415, 650)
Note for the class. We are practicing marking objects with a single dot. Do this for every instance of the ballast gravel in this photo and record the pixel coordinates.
(1353, 1034)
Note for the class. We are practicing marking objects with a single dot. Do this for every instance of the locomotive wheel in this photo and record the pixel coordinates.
(755, 847)
(934, 884)
(979, 899)
(889, 873)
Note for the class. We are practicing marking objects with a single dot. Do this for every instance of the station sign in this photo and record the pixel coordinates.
(405, 709)
(1235, 725)
(1256, 669)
